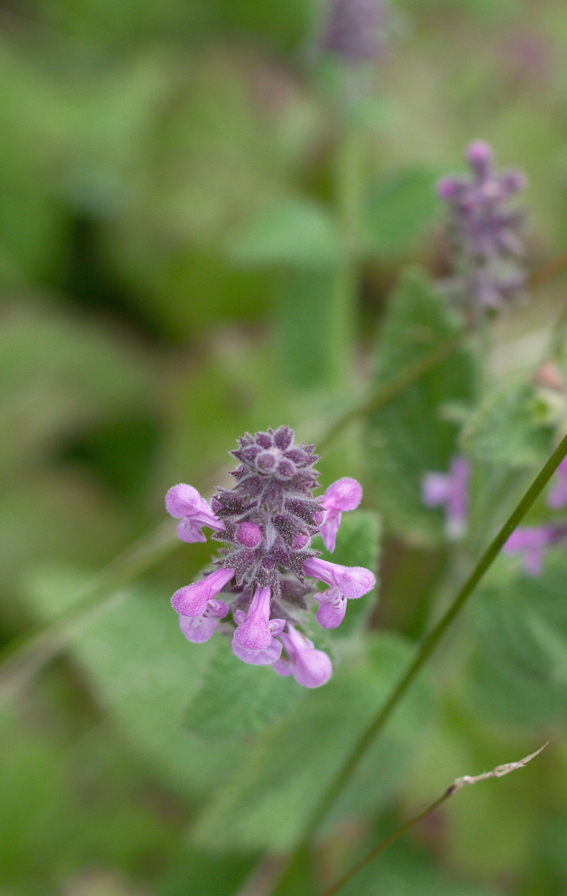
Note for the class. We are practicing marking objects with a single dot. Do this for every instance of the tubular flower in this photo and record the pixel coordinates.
(345, 582)
(310, 668)
(344, 494)
(450, 490)
(185, 503)
(531, 541)
(266, 523)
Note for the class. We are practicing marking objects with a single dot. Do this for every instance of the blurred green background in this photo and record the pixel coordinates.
(170, 214)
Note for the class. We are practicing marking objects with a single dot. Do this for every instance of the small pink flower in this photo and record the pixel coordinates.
(450, 490)
(199, 629)
(345, 582)
(192, 600)
(310, 668)
(557, 496)
(254, 639)
(184, 502)
(344, 494)
(531, 542)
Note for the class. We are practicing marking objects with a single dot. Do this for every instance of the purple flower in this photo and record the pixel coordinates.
(266, 523)
(199, 629)
(484, 229)
(185, 502)
(344, 494)
(192, 600)
(531, 542)
(310, 668)
(345, 582)
(254, 639)
(355, 30)
(557, 496)
(451, 491)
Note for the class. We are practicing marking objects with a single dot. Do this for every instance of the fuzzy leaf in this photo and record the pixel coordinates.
(519, 665)
(143, 672)
(508, 429)
(410, 435)
(267, 803)
(238, 700)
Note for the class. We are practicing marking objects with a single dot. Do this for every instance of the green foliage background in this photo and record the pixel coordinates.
(197, 239)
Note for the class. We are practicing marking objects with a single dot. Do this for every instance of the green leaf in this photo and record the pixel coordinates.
(518, 668)
(399, 209)
(293, 232)
(238, 700)
(289, 768)
(143, 672)
(358, 544)
(410, 435)
(509, 429)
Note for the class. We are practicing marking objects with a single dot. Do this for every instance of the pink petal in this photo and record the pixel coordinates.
(344, 494)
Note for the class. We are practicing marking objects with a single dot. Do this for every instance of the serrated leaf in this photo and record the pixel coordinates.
(238, 700)
(293, 232)
(292, 764)
(410, 435)
(358, 544)
(518, 669)
(508, 429)
(399, 208)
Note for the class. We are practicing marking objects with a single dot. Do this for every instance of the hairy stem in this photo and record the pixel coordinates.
(457, 785)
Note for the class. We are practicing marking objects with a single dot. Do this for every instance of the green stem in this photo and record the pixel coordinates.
(25, 655)
(384, 844)
(427, 647)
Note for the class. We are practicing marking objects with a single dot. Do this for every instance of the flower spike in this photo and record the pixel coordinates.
(265, 570)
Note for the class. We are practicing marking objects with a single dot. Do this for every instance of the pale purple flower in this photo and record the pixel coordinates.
(346, 582)
(192, 600)
(344, 494)
(451, 491)
(557, 496)
(484, 230)
(531, 542)
(310, 668)
(254, 639)
(184, 502)
(255, 631)
(266, 523)
(199, 629)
